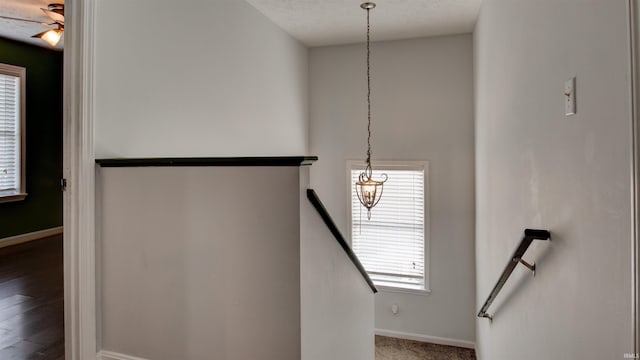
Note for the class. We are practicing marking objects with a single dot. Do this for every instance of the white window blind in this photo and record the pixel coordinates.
(9, 134)
(391, 246)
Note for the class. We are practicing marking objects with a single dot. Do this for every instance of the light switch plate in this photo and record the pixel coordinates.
(570, 97)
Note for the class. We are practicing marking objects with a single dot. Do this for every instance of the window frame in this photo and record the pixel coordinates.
(396, 165)
(21, 73)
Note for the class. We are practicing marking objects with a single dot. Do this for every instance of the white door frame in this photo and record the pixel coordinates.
(79, 170)
(634, 38)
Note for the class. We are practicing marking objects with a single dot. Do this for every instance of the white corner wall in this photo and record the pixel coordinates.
(422, 110)
(196, 78)
(198, 263)
(537, 168)
(336, 303)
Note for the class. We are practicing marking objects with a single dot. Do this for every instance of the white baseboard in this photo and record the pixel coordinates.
(426, 338)
(110, 355)
(23, 238)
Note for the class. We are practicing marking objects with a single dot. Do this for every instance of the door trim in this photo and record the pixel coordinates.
(634, 37)
(79, 170)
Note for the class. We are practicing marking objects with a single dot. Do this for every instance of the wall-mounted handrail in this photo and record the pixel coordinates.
(324, 214)
(209, 161)
(529, 236)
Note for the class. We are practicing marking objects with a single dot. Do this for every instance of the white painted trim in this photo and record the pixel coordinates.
(110, 355)
(426, 338)
(23, 238)
(634, 91)
(399, 290)
(20, 193)
(78, 169)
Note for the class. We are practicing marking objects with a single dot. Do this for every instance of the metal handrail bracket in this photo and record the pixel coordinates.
(529, 236)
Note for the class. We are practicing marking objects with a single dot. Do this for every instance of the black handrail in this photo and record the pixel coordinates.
(529, 236)
(210, 161)
(324, 214)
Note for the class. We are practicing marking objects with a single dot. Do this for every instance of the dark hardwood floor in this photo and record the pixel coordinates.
(31, 301)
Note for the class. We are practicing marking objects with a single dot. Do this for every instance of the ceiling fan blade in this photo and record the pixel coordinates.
(56, 15)
(27, 20)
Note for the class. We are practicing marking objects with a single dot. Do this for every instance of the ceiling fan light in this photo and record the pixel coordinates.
(51, 37)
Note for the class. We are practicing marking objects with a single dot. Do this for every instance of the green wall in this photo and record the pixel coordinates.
(42, 209)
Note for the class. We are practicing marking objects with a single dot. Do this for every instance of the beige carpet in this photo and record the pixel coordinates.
(398, 349)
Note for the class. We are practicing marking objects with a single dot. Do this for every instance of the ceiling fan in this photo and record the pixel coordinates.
(56, 13)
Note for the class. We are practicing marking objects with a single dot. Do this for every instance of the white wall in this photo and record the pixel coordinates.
(196, 78)
(199, 263)
(537, 168)
(337, 305)
(422, 110)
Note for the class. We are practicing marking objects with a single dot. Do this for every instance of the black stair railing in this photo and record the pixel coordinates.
(324, 214)
(516, 258)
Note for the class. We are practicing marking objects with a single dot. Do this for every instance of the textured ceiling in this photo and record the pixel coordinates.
(22, 30)
(332, 22)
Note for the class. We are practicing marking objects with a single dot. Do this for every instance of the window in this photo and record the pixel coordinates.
(392, 246)
(12, 101)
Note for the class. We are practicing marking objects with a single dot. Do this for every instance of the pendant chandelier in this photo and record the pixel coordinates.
(369, 190)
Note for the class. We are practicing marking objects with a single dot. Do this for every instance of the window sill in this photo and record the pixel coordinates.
(389, 289)
(12, 197)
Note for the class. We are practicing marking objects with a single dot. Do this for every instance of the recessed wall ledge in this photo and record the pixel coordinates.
(210, 161)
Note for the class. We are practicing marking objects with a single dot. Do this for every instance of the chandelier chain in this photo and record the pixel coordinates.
(368, 90)
(369, 191)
